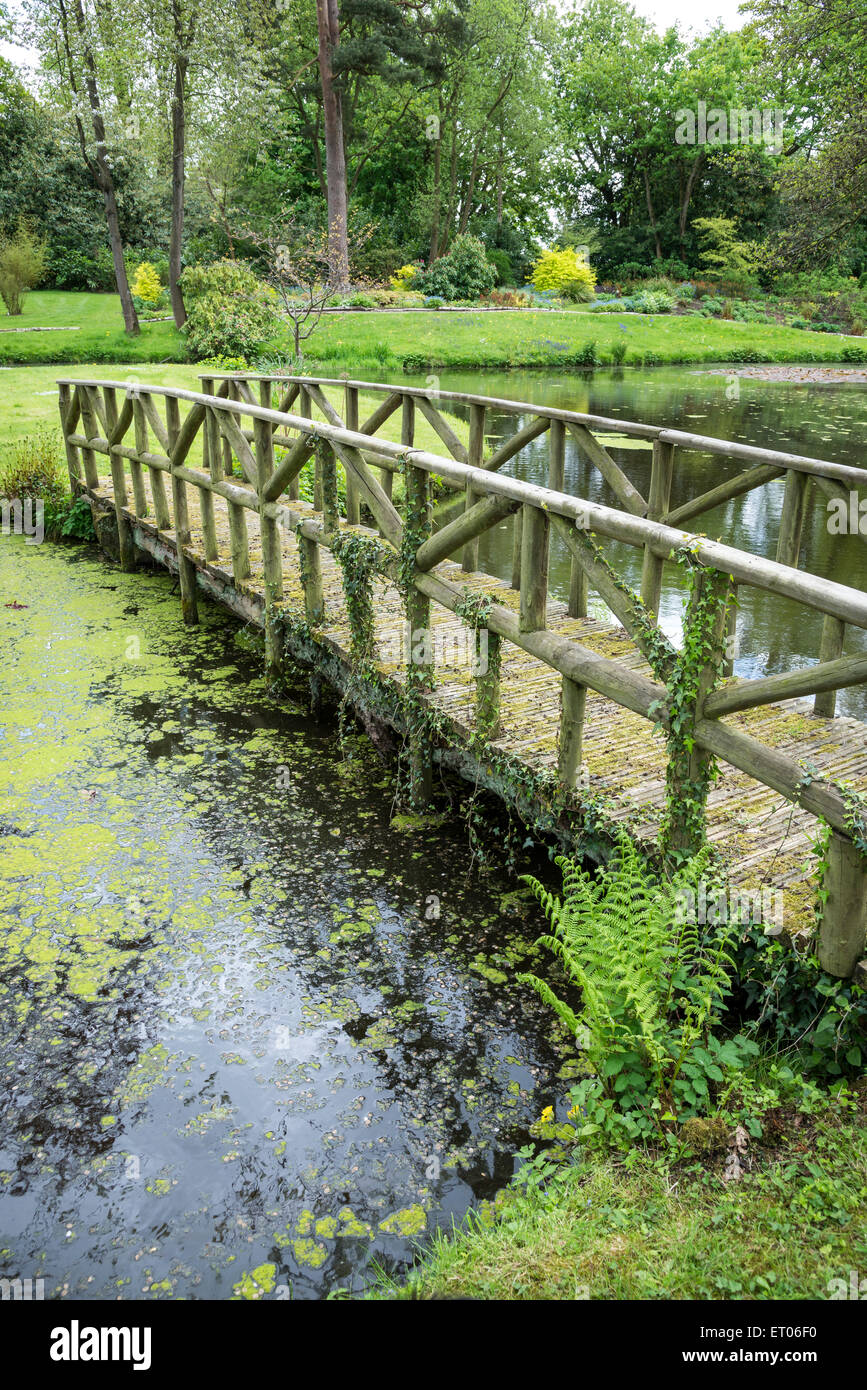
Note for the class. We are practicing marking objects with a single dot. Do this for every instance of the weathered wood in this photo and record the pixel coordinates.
(470, 559)
(831, 649)
(753, 477)
(125, 542)
(311, 579)
(69, 412)
(391, 403)
(183, 537)
(661, 472)
(285, 476)
(517, 547)
(844, 913)
(518, 441)
(792, 519)
(154, 419)
(443, 428)
(350, 414)
(480, 518)
(386, 517)
(624, 604)
(613, 474)
(534, 569)
(825, 676)
(731, 633)
(88, 424)
(272, 543)
(208, 389)
(420, 653)
(573, 702)
(685, 778)
(244, 454)
(162, 514)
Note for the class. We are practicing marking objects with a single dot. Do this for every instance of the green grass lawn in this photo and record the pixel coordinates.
(378, 345)
(94, 332)
(29, 400)
(634, 1227)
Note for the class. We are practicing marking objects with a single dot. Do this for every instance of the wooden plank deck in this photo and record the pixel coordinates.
(766, 841)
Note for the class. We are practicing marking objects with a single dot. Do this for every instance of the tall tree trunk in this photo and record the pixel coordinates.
(179, 141)
(435, 220)
(335, 157)
(99, 166)
(687, 196)
(652, 215)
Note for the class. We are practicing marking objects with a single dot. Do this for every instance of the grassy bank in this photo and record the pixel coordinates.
(384, 343)
(638, 1227)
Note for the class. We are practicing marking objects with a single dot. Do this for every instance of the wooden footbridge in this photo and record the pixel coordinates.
(582, 724)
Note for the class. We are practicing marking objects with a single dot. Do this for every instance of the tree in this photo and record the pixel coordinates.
(22, 265)
(69, 36)
(328, 26)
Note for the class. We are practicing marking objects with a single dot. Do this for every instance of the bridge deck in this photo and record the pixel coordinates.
(766, 840)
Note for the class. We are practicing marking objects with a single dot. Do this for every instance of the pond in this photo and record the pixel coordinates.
(822, 421)
(253, 1034)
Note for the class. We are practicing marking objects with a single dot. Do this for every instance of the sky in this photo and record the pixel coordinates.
(692, 14)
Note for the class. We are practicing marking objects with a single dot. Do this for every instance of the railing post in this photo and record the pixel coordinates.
(573, 702)
(517, 546)
(186, 567)
(350, 415)
(311, 581)
(731, 634)
(162, 515)
(73, 462)
(211, 449)
(207, 390)
(833, 632)
(228, 469)
(475, 455)
(125, 542)
(686, 779)
(419, 674)
(534, 569)
(843, 928)
(792, 518)
(658, 502)
(90, 431)
(269, 529)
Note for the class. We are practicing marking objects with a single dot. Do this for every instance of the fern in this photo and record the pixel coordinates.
(651, 985)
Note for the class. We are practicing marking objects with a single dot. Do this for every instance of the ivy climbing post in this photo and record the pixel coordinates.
(695, 673)
(272, 548)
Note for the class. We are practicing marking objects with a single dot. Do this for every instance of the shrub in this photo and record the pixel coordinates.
(230, 312)
(853, 353)
(146, 286)
(508, 299)
(502, 265)
(463, 273)
(404, 278)
(564, 273)
(22, 265)
(618, 353)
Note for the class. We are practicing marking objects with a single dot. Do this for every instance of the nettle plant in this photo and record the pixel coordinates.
(653, 991)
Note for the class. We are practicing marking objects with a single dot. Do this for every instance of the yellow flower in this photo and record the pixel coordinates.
(547, 1114)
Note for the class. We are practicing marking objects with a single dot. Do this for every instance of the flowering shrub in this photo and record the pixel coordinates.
(403, 279)
(464, 273)
(564, 273)
(146, 286)
(230, 312)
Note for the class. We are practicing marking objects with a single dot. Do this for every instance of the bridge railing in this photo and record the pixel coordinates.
(807, 480)
(107, 411)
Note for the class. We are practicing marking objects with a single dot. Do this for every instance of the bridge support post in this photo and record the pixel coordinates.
(843, 928)
(350, 415)
(186, 567)
(831, 649)
(573, 702)
(659, 497)
(470, 560)
(68, 415)
(272, 549)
